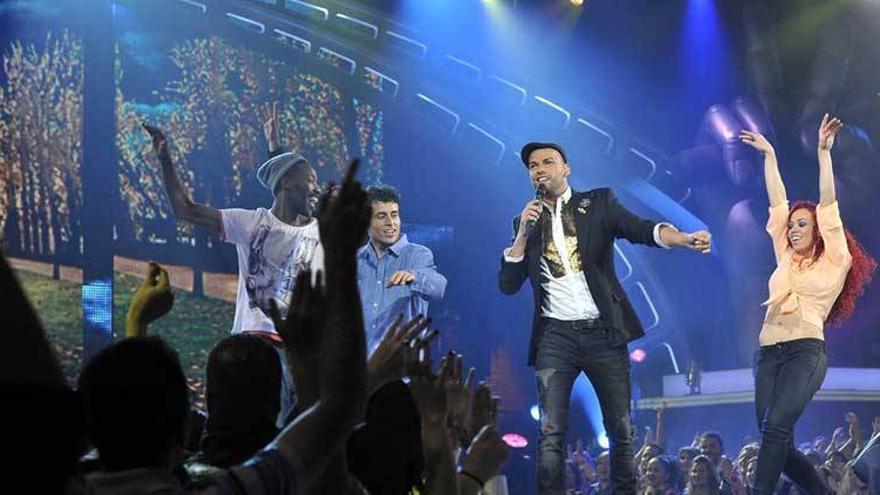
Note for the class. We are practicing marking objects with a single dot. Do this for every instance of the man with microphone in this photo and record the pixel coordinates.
(564, 245)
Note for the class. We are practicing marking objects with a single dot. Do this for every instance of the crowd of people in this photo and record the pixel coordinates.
(708, 467)
(129, 427)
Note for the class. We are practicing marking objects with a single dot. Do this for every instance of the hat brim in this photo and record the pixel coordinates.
(530, 147)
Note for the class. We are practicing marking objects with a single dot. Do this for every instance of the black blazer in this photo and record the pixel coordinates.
(599, 220)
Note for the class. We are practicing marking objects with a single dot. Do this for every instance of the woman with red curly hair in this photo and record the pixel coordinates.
(820, 272)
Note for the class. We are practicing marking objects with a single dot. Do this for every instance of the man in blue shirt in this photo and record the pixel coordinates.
(395, 276)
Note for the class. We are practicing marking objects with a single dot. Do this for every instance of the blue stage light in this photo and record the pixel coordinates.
(602, 440)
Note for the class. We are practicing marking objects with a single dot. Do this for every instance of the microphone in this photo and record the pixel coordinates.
(539, 195)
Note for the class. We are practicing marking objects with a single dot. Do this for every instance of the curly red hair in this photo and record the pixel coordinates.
(860, 273)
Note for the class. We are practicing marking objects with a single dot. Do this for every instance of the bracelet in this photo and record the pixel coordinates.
(473, 477)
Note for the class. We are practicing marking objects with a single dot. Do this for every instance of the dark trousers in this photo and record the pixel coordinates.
(566, 349)
(787, 375)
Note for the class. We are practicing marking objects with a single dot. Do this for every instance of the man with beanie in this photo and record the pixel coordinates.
(273, 245)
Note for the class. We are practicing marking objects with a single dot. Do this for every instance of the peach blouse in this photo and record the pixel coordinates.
(802, 292)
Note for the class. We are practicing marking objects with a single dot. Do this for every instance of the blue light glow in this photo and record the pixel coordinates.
(97, 300)
(704, 48)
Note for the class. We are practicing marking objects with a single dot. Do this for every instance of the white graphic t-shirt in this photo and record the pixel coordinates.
(270, 255)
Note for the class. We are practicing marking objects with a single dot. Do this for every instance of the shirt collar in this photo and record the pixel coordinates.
(565, 198)
(396, 248)
(566, 195)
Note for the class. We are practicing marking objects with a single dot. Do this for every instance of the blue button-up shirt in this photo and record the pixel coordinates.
(381, 303)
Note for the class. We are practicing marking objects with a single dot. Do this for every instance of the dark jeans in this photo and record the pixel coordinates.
(566, 349)
(786, 377)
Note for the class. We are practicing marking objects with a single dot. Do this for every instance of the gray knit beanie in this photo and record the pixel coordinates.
(274, 169)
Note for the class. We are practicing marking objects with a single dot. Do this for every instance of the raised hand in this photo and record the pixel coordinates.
(486, 454)
(344, 215)
(838, 437)
(484, 410)
(388, 361)
(271, 126)
(828, 129)
(756, 140)
(458, 399)
(152, 300)
(429, 391)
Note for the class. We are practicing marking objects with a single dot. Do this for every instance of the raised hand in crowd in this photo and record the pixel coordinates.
(388, 363)
(343, 217)
(483, 460)
(152, 300)
(459, 394)
(659, 436)
(838, 438)
(484, 410)
(855, 442)
(429, 393)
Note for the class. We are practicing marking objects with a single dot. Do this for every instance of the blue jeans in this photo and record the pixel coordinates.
(566, 349)
(288, 390)
(787, 375)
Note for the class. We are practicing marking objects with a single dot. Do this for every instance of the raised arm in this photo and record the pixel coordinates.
(659, 437)
(772, 178)
(827, 131)
(182, 205)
